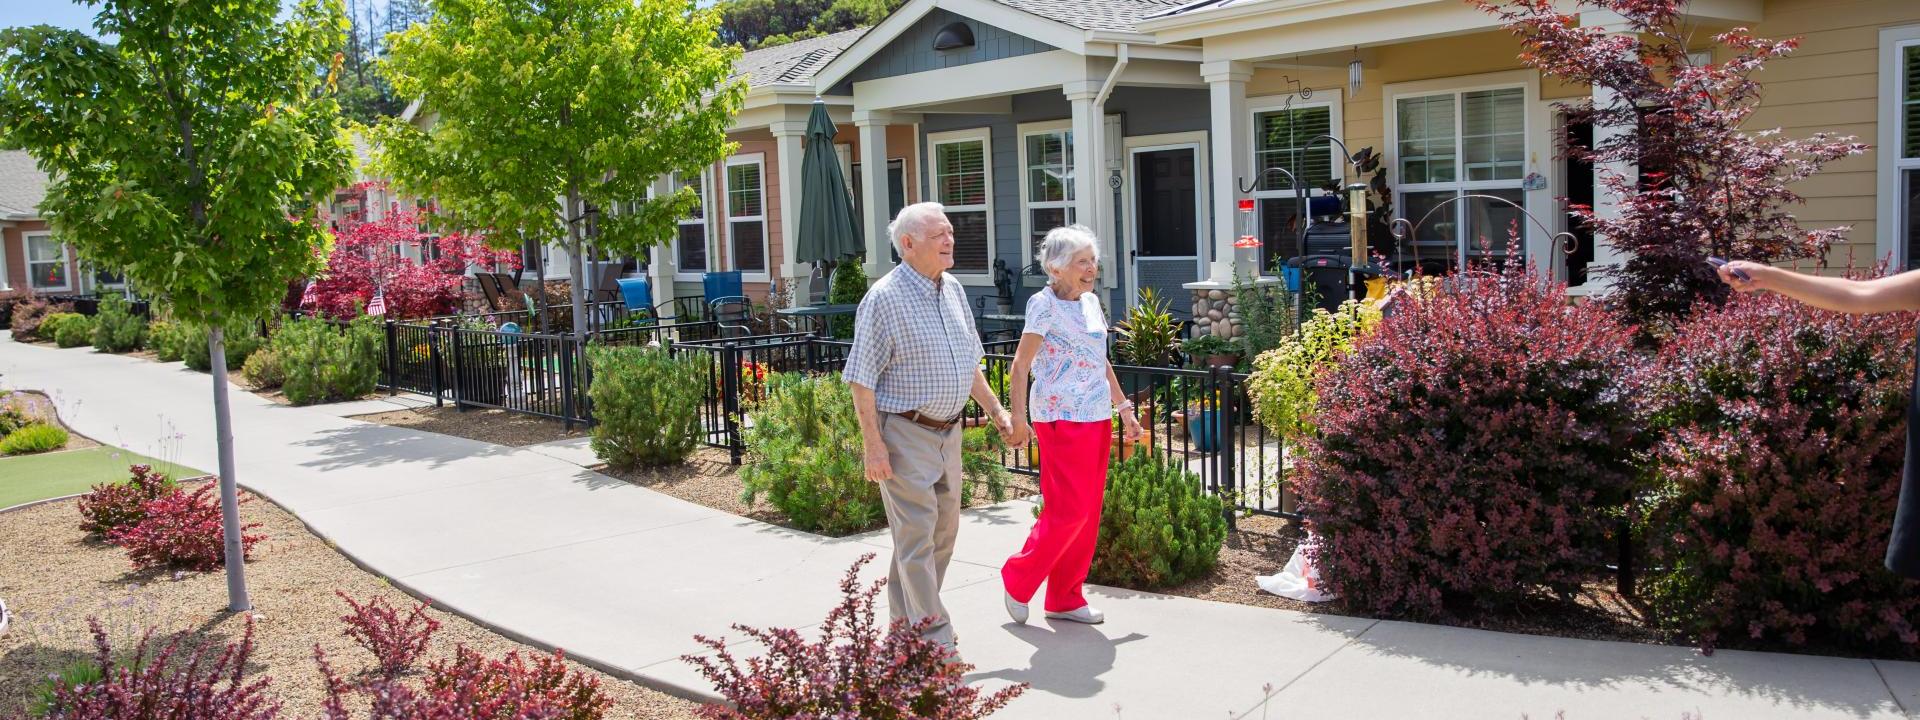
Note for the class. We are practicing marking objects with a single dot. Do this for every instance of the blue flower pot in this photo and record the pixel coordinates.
(1204, 427)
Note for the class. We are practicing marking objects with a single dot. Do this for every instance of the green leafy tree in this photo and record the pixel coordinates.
(755, 24)
(191, 155)
(584, 100)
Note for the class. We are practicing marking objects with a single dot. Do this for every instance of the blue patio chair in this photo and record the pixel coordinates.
(722, 284)
(637, 293)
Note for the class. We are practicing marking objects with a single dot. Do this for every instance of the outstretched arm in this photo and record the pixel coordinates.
(1888, 294)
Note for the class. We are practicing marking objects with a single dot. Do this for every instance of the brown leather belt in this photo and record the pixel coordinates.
(928, 422)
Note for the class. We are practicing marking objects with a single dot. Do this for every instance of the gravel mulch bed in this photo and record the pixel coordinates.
(53, 577)
(495, 426)
(38, 405)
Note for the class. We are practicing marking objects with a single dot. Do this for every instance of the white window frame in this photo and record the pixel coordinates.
(705, 221)
(1891, 217)
(758, 160)
(66, 261)
(1027, 205)
(1535, 243)
(1336, 126)
(985, 137)
(5, 284)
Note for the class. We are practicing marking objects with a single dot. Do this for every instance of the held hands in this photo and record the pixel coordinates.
(1020, 435)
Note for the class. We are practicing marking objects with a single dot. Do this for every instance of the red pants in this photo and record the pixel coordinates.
(1073, 484)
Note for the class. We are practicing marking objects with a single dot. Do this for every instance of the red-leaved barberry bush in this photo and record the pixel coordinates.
(472, 686)
(115, 505)
(1472, 450)
(396, 641)
(364, 258)
(181, 530)
(857, 669)
(1707, 184)
(1775, 475)
(202, 685)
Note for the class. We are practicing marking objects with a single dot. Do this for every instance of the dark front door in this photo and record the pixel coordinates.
(1579, 179)
(1166, 252)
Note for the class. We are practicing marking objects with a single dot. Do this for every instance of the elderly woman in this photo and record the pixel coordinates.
(1063, 349)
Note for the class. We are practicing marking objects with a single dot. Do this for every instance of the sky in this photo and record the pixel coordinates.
(58, 13)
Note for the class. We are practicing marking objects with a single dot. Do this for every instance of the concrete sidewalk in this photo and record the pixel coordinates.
(528, 541)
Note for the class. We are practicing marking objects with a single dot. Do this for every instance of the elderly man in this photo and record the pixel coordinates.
(915, 360)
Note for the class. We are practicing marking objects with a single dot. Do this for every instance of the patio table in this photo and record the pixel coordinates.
(818, 314)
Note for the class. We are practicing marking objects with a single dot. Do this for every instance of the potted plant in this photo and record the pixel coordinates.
(1203, 422)
(1149, 333)
(1214, 349)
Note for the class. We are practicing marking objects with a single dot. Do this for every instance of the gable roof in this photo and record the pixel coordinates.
(1107, 15)
(22, 186)
(794, 63)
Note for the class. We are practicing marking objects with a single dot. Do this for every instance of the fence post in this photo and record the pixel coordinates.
(1226, 442)
(730, 398)
(1623, 579)
(570, 344)
(433, 362)
(393, 361)
(459, 377)
(813, 353)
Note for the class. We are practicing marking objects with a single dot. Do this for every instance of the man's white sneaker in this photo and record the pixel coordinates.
(1015, 609)
(1084, 614)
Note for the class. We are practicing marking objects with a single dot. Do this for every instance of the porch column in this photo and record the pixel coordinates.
(873, 189)
(1606, 205)
(788, 149)
(1090, 169)
(661, 264)
(1227, 85)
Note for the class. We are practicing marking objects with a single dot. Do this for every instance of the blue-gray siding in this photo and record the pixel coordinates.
(913, 51)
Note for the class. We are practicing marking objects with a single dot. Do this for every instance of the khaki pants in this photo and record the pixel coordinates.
(923, 513)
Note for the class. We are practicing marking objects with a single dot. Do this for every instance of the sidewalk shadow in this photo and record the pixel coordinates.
(1068, 659)
(1801, 682)
(370, 445)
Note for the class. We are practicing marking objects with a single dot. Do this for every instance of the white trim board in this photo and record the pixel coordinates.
(1888, 217)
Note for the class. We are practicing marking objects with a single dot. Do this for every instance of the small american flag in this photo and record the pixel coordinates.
(378, 305)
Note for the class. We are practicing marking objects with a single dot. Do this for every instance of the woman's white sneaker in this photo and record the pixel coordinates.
(1084, 614)
(1015, 609)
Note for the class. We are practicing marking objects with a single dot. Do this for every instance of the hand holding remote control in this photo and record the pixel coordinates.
(1718, 263)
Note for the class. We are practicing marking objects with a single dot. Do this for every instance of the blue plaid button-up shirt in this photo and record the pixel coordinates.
(915, 345)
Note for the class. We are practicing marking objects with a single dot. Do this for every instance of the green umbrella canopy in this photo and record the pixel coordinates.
(828, 229)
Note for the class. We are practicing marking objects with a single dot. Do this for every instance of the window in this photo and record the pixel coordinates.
(747, 213)
(690, 243)
(1046, 182)
(1283, 137)
(962, 181)
(47, 267)
(1456, 143)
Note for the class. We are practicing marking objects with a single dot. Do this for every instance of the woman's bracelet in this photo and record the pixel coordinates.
(1124, 406)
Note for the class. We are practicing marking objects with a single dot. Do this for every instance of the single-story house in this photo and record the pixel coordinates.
(32, 258)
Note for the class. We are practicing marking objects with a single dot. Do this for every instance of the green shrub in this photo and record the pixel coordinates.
(980, 465)
(12, 415)
(53, 323)
(804, 457)
(116, 329)
(646, 404)
(169, 340)
(34, 438)
(1157, 529)
(1281, 386)
(73, 331)
(323, 362)
(849, 287)
(242, 339)
(264, 370)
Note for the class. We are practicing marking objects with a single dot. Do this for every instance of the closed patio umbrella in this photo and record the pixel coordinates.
(828, 230)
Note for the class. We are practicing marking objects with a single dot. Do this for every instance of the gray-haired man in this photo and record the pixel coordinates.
(914, 362)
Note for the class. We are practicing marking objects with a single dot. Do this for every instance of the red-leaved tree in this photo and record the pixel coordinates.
(1707, 185)
(368, 256)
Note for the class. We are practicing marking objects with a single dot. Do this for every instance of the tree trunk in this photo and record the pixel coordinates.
(574, 265)
(237, 599)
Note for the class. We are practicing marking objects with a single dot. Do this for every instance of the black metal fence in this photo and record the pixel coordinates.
(1199, 418)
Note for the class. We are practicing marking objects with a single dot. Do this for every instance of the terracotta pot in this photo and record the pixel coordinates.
(1228, 360)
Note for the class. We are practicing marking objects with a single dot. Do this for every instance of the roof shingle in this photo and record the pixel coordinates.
(793, 63)
(1111, 15)
(22, 185)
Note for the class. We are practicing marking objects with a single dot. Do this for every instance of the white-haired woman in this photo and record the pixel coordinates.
(1069, 410)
